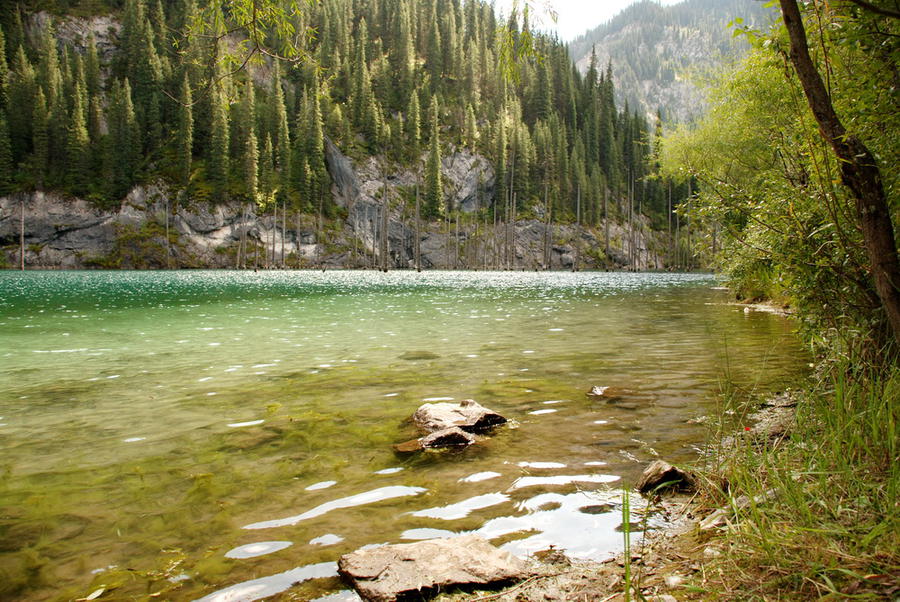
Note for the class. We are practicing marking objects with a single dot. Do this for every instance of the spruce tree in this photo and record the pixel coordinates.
(4, 77)
(414, 124)
(434, 189)
(217, 170)
(39, 136)
(251, 166)
(78, 156)
(124, 141)
(185, 140)
(282, 155)
(23, 89)
(6, 157)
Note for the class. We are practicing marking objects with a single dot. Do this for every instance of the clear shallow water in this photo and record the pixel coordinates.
(230, 432)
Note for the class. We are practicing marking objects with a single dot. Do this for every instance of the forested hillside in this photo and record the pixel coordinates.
(657, 51)
(95, 110)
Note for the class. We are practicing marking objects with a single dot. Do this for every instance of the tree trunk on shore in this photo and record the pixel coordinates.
(859, 172)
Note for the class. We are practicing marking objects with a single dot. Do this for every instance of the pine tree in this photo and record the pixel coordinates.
(124, 140)
(40, 153)
(23, 89)
(251, 166)
(92, 68)
(6, 157)
(282, 156)
(500, 187)
(4, 77)
(434, 189)
(78, 150)
(185, 140)
(471, 137)
(266, 169)
(414, 124)
(218, 148)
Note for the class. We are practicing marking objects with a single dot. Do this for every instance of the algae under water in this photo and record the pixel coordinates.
(228, 434)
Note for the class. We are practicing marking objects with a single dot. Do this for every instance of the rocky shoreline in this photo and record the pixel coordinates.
(668, 564)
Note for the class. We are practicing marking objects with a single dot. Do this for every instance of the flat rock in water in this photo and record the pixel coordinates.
(468, 415)
(451, 437)
(664, 475)
(423, 568)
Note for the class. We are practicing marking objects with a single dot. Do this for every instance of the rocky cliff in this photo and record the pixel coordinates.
(153, 229)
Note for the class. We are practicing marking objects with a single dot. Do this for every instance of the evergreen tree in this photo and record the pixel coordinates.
(471, 137)
(185, 141)
(266, 169)
(218, 149)
(124, 140)
(78, 156)
(4, 77)
(251, 166)
(434, 188)
(92, 68)
(414, 125)
(6, 157)
(40, 153)
(282, 156)
(23, 89)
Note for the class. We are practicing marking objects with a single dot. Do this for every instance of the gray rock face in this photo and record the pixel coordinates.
(468, 415)
(61, 232)
(387, 573)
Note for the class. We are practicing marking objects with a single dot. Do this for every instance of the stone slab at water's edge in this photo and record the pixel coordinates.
(387, 573)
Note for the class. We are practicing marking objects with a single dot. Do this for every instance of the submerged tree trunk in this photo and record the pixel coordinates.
(859, 172)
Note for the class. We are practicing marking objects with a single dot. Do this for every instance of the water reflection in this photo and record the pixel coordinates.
(203, 401)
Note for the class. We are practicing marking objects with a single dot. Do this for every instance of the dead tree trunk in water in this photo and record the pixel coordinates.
(859, 172)
(22, 232)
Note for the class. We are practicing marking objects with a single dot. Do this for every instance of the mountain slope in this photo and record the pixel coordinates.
(655, 49)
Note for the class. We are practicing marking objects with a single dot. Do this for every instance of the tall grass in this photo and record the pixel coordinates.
(832, 528)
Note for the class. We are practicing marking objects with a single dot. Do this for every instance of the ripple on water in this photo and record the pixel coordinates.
(257, 589)
(236, 425)
(393, 470)
(542, 412)
(261, 548)
(541, 465)
(557, 480)
(480, 476)
(329, 539)
(360, 499)
(321, 485)
(464, 508)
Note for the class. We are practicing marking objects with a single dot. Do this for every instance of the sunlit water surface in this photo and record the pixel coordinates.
(228, 434)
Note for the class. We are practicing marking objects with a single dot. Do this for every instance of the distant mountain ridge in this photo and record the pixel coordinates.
(654, 49)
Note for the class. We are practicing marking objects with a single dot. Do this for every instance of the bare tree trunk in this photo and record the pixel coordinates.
(22, 231)
(859, 172)
(606, 221)
(417, 252)
(168, 251)
(283, 231)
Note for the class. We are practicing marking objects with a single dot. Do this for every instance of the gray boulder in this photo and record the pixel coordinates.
(451, 437)
(468, 415)
(423, 568)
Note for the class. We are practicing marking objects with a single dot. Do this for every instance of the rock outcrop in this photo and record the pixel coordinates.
(62, 232)
(420, 569)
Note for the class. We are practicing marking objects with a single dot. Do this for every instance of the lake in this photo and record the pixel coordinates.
(228, 434)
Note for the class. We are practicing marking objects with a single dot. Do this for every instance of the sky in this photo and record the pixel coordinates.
(576, 16)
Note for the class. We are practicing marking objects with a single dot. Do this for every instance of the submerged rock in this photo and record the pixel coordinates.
(423, 568)
(607, 393)
(451, 437)
(468, 415)
(662, 475)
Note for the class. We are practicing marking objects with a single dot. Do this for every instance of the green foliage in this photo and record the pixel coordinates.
(192, 102)
(434, 188)
(769, 185)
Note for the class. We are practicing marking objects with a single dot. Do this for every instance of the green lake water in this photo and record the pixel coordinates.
(228, 434)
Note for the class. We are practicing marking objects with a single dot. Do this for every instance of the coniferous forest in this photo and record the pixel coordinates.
(167, 93)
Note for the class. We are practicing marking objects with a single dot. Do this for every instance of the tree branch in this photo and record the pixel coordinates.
(885, 12)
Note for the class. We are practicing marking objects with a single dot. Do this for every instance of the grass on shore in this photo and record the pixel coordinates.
(830, 525)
